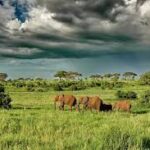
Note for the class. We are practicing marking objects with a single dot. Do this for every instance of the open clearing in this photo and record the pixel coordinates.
(33, 123)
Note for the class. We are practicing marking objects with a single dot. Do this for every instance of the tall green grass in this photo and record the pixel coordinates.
(33, 124)
(45, 129)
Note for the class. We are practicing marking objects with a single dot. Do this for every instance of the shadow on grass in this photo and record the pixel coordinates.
(146, 143)
(141, 111)
(28, 107)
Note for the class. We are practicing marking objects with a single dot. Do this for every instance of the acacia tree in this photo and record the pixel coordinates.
(67, 75)
(73, 75)
(96, 76)
(108, 76)
(3, 76)
(129, 75)
(116, 76)
(61, 74)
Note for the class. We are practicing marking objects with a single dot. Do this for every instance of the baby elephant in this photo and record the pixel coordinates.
(122, 105)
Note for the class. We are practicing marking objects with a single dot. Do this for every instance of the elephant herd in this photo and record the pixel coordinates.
(89, 102)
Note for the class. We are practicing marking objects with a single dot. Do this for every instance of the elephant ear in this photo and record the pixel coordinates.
(86, 98)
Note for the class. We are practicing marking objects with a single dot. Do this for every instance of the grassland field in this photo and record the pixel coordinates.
(33, 124)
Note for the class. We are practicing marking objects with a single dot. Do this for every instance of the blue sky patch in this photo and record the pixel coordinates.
(21, 11)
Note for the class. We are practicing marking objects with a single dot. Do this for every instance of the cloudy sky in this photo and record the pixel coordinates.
(40, 37)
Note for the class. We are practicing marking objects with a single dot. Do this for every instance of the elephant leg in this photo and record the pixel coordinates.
(55, 106)
(84, 107)
(70, 107)
(91, 109)
(61, 106)
(77, 107)
(98, 108)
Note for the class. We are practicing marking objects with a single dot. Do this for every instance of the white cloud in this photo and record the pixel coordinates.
(40, 20)
(19, 51)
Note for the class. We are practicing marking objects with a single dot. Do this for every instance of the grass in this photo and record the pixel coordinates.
(33, 123)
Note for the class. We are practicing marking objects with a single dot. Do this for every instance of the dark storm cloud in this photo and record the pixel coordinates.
(67, 10)
(94, 25)
(81, 45)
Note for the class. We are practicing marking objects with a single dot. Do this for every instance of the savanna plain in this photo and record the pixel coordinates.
(33, 124)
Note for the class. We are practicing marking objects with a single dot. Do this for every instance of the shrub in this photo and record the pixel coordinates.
(118, 84)
(145, 99)
(30, 89)
(5, 100)
(126, 95)
(117, 139)
(19, 84)
(131, 95)
(145, 79)
(77, 86)
(2, 89)
(40, 89)
(73, 87)
(57, 87)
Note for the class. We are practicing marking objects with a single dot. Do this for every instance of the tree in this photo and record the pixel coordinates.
(3, 76)
(116, 76)
(5, 100)
(129, 75)
(73, 75)
(61, 74)
(108, 75)
(67, 75)
(96, 76)
(145, 78)
(145, 99)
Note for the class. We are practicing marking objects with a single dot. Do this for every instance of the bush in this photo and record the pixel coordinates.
(57, 87)
(19, 84)
(116, 139)
(145, 79)
(5, 100)
(73, 87)
(2, 89)
(77, 86)
(30, 89)
(145, 99)
(131, 95)
(126, 95)
(118, 84)
(40, 89)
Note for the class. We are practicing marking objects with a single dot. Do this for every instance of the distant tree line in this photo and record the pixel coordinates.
(69, 80)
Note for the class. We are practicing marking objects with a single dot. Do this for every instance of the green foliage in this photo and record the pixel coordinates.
(78, 86)
(73, 87)
(20, 84)
(3, 76)
(5, 99)
(67, 75)
(30, 89)
(145, 98)
(41, 89)
(126, 95)
(129, 75)
(2, 89)
(57, 87)
(118, 84)
(33, 123)
(145, 79)
(115, 139)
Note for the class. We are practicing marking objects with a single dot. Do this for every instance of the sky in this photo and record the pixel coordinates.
(41, 37)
